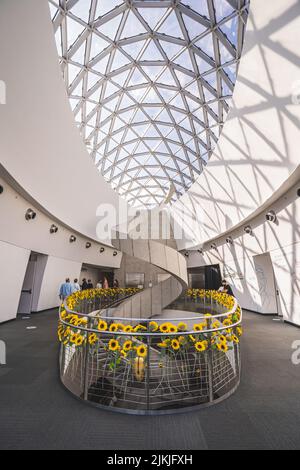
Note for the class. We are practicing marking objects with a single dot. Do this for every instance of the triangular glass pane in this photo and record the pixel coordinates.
(183, 78)
(152, 52)
(152, 71)
(199, 6)
(223, 9)
(225, 54)
(178, 102)
(152, 16)
(97, 45)
(171, 49)
(82, 10)
(74, 30)
(120, 60)
(92, 80)
(110, 89)
(203, 65)
(230, 29)
(133, 27)
(126, 102)
(79, 55)
(134, 49)
(184, 60)
(194, 28)
(102, 65)
(206, 45)
(137, 78)
(73, 72)
(171, 27)
(104, 6)
(110, 28)
(167, 78)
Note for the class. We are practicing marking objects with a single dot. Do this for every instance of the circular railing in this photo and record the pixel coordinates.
(150, 366)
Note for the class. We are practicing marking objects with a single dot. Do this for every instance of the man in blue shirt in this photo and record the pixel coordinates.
(66, 289)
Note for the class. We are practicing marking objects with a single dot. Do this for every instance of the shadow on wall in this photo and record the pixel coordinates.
(256, 151)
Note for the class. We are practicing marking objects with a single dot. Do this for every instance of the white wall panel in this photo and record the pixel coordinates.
(13, 265)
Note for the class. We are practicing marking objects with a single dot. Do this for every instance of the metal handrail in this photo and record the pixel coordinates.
(147, 321)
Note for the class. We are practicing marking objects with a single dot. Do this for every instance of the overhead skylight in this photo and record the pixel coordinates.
(149, 83)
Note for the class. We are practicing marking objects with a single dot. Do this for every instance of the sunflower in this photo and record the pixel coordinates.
(200, 346)
(165, 328)
(139, 328)
(79, 340)
(162, 345)
(127, 346)
(120, 327)
(182, 326)
(198, 327)
(113, 345)
(102, 325)
(141, 351)
(153, 326)
(227, 322)
(222, 347)
(128, 329)
(181, 339)
(173, 328)
(175, 344)
(239, 330)
(192, 338)
(222, 339)
(123, 354)
(235, 339)
(92, 339)
(73, 338)
(113, 327)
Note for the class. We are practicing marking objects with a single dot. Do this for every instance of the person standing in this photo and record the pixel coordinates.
(116, 284)
(105, 284)
(84, 285)
(90, 284)
(66, 289)
(99, 285)
(76, 286)
(225, 288)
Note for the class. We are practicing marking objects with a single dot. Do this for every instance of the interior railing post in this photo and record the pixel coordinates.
(148, 372)
(86, 363)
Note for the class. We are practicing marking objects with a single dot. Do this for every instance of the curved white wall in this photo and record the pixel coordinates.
(259, 146)
(40, 146)
(18, 238)
(241, 267)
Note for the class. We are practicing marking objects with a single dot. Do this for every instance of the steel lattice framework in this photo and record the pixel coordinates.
(149, 82)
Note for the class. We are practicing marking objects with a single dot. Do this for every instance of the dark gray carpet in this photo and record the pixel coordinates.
(37, 413)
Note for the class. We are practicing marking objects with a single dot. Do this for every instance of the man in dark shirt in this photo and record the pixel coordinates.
(225, 287)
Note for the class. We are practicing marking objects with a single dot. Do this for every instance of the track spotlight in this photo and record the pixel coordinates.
(186, 254)
(73, 239)
(200, 252)
(102, 250)
(271, 217)
(53, 229)
(229, 241)
(1, 189)
(214, 246)
(88, 245)
(248, 230)
(30, 214)
(115, 253)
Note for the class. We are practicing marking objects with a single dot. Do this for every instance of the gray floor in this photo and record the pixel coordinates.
(37, 413)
